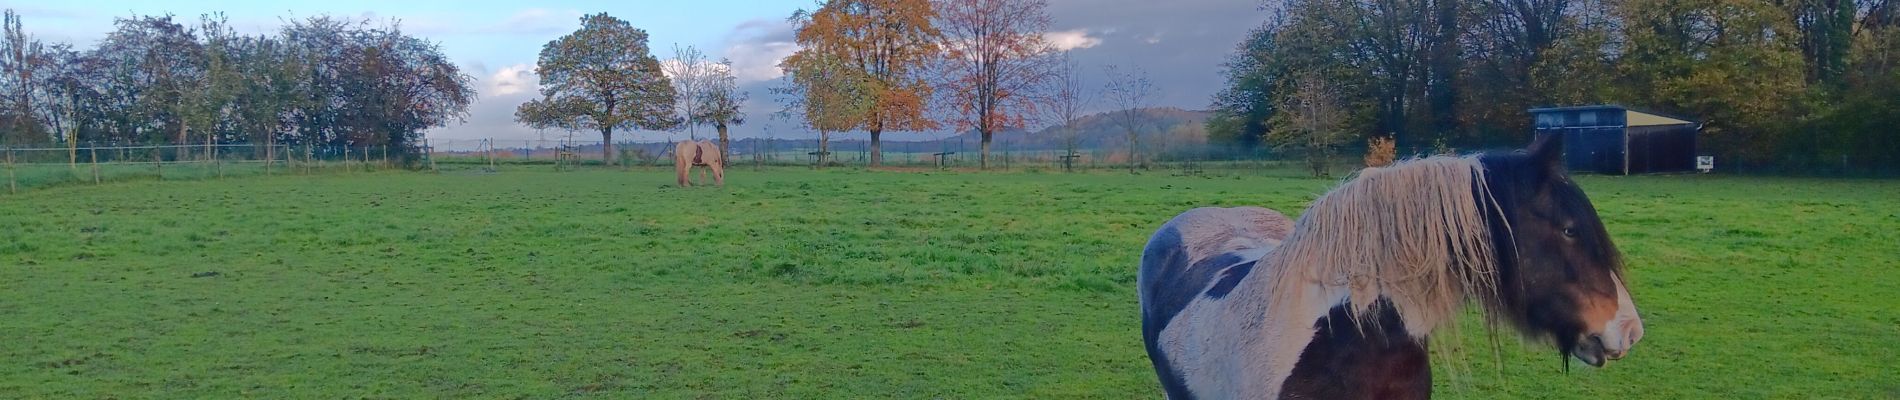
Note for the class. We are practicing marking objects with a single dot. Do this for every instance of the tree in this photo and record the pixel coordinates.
(888, 43)
(1132, 93)
(154, 62)
(1719, 60)
(606, 78)
(824, 92)
(690, 75)
(719, 105)
(1311, 121)
(994, 62)
(20, 58)
(1064, 106)
(1243, 108)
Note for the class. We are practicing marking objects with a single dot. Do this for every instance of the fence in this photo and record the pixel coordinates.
(947, 154)
(35, 167)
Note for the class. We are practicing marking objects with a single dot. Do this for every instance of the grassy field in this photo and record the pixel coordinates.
(793, 283)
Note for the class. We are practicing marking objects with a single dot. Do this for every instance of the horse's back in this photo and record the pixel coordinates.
(1183, 256)
(1202, 252)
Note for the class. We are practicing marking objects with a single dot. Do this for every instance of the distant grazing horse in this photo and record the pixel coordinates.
(1244, 303)
(692, 153)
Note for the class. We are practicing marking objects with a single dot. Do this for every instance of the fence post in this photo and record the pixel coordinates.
(95, 164)
(13, 184)
(219, 162)
(158, 161)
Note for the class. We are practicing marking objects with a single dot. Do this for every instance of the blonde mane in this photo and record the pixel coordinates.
(1414, 233)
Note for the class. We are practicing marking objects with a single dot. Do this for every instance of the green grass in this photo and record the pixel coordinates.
(793, 283)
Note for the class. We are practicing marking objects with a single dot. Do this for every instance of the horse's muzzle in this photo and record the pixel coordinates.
(1613, 343)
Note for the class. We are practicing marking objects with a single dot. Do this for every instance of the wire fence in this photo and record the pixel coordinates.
(944, 154)
(37, 167)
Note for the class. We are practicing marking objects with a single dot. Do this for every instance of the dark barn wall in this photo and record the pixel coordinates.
(1662, 148)
(1597, 140)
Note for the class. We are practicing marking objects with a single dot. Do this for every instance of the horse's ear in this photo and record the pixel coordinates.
(1547, 150)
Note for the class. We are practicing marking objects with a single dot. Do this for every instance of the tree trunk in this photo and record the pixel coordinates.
(824, 140)
(607, 146)
(983, 162)
(1134, 159)
(725, 146)
(183, 149)
(877, 153)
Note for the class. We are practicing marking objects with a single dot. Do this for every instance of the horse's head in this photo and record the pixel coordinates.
(1559, 276)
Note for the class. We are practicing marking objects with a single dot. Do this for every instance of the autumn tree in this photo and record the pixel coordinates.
(1132, 93)
(994, 62)
(888, 43)
(825, 93)
(719, 105)
(605, 78)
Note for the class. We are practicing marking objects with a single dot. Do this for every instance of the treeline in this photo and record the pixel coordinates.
(155, 80)
(1785, 82)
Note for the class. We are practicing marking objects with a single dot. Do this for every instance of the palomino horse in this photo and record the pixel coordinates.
(693, 153)
(1244, 303)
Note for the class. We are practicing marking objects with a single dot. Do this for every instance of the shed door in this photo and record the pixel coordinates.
(1597, 150)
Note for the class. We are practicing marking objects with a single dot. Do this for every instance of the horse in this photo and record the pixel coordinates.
(691, 153)
(1247, 303)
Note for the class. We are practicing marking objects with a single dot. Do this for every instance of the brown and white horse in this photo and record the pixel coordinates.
(692, 153)
(1245, 303)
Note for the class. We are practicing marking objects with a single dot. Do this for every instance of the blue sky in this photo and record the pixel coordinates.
(1180, 43)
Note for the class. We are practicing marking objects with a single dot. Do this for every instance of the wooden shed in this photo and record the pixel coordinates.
(1611, 139)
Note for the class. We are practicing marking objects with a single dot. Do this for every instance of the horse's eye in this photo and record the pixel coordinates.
(1570, 233)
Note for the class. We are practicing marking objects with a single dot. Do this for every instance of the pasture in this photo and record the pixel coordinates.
(792, 283)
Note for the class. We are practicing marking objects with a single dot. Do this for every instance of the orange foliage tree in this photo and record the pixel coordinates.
(994, 61)
(886, 43)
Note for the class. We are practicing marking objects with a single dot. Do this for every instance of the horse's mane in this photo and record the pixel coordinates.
(1415, 233)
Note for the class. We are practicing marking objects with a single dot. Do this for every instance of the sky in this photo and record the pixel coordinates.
(1180, 44)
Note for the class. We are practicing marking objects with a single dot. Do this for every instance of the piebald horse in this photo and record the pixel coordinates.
(1245, 303)
(692, 153)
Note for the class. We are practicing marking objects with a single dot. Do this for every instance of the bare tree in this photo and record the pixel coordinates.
(719, 105)
(690, 74)
(1133, 93)
(995, 60)
(1064, 106)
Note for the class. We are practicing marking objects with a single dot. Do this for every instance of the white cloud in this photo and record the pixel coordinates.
(1071, 39)
(513, 79)
(756, 47)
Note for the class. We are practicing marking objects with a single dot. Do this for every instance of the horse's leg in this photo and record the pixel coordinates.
(719, 172)
(680, 165)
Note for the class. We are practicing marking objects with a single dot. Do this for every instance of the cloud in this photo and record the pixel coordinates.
(1071, 39)
(756, 47)
(510, 80)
